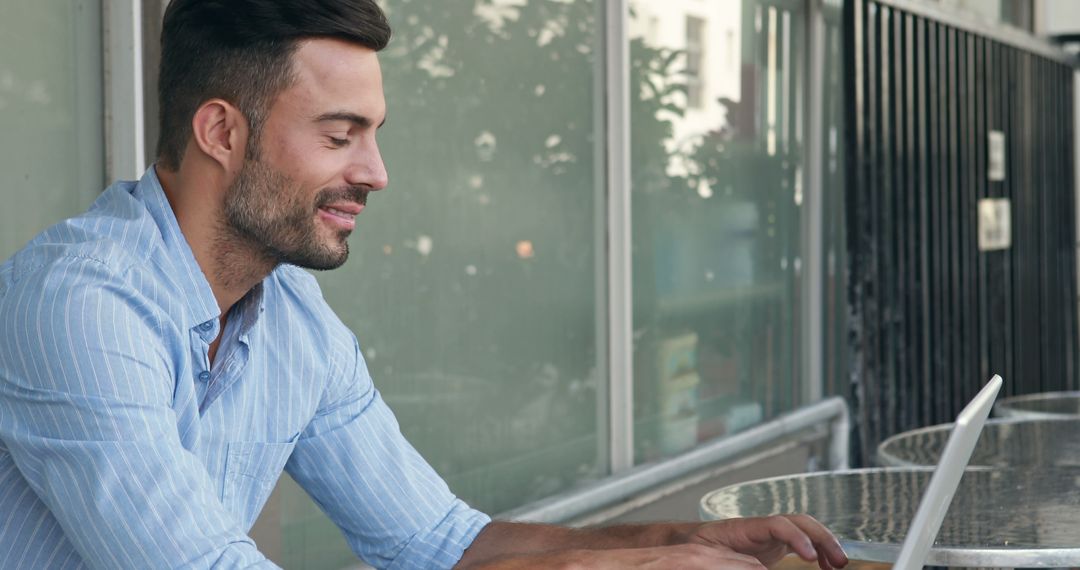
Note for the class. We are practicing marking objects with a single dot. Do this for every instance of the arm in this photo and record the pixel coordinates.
(735, 543)
(86, 414)
(392, 507)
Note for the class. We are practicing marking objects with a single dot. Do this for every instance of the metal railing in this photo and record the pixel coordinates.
(623, 486)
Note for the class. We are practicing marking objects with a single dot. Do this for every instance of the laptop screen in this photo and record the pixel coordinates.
(943, 484)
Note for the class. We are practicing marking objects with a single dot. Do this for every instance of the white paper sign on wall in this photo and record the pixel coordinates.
(996, 156)
(995, 228)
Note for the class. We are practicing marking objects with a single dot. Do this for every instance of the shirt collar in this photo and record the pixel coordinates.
(187, 274)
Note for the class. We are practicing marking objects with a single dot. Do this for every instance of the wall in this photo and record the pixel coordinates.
(932, 315)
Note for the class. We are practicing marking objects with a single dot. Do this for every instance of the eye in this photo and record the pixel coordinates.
(338, 143)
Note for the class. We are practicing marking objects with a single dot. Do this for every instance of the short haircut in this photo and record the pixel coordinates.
(241, 51)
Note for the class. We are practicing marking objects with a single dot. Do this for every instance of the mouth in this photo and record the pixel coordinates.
(341, 214)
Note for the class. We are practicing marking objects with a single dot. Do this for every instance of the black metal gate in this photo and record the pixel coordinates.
(931, 316)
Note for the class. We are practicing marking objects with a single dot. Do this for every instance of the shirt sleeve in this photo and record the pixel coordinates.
(394, 510)
(85, 412)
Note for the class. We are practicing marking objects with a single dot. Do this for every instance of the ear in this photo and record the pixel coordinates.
(220, 131)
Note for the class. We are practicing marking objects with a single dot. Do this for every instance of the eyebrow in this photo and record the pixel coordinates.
(358, 120)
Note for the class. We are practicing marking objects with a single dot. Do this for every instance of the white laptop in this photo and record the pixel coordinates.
(943, 484)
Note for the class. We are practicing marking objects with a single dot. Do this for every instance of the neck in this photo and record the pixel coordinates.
(231, 263)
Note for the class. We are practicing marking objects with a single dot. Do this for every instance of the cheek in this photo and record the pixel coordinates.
(305, 164)
(288, 157)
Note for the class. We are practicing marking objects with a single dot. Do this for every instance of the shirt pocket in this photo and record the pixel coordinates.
(251, 471)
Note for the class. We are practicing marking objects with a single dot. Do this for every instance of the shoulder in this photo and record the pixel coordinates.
(72, 288)
(101, 262)
(77, 325)
(116, 234)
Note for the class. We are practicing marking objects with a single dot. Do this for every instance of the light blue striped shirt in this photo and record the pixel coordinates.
(120, 447)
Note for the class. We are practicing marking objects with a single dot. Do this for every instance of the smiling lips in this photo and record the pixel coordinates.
(341, 214)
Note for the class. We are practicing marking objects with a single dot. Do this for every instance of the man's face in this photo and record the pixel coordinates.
(299, 192)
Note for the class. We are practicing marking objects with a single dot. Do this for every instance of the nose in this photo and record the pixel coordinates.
(367, 168)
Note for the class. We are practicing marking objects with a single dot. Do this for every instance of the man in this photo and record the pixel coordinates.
(163, 357)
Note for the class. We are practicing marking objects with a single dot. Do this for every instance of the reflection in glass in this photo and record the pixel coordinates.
(835, 238)
(472, 284)
(716, 216)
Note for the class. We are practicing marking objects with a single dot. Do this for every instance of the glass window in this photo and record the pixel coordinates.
(1017, 13)
(835, 238)
(51, 115)
(695, 52)
(475, 283)
(716, 220)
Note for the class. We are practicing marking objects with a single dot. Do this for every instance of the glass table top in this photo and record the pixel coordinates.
(1012, 442)
(1045, 405)
(998, 518)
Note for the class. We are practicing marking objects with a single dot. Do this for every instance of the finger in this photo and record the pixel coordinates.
(823, 539)
(823, 561)
(785, 530)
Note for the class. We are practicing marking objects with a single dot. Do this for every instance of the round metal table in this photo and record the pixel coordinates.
(998, 518)
(1010, 442)
(1046, 405)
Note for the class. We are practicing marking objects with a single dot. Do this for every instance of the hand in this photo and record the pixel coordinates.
(769, 539)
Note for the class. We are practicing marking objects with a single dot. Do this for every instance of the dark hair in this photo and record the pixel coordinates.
(241, 51)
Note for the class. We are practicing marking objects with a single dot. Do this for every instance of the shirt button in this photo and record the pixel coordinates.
(206, 326)
(204, 375)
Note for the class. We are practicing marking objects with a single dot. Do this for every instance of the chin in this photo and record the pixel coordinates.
(324, 260)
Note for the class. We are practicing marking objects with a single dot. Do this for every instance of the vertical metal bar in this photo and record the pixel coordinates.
(942, 235)
(952, 215)
(1068, 213)
(965, 248)
(1031, 223)
(854, 26)
(937, 224)
(1007, 116)
(970, 215)
(1063, 241)
(903, 273)
(1045, 195)
(1053, 288)
(1019, 201)
(922, 74)
(1054, 185)
(813, 226)
(995, 287)
(1023, 260)
(983, 92)
(620, 276)
(791, 83)
(886, 215)
(601, 293)
(936, 186)
(125, 129)
(1072, 170)
(1014, 144)
(872, 299)
(912, 215)
(962, 379)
